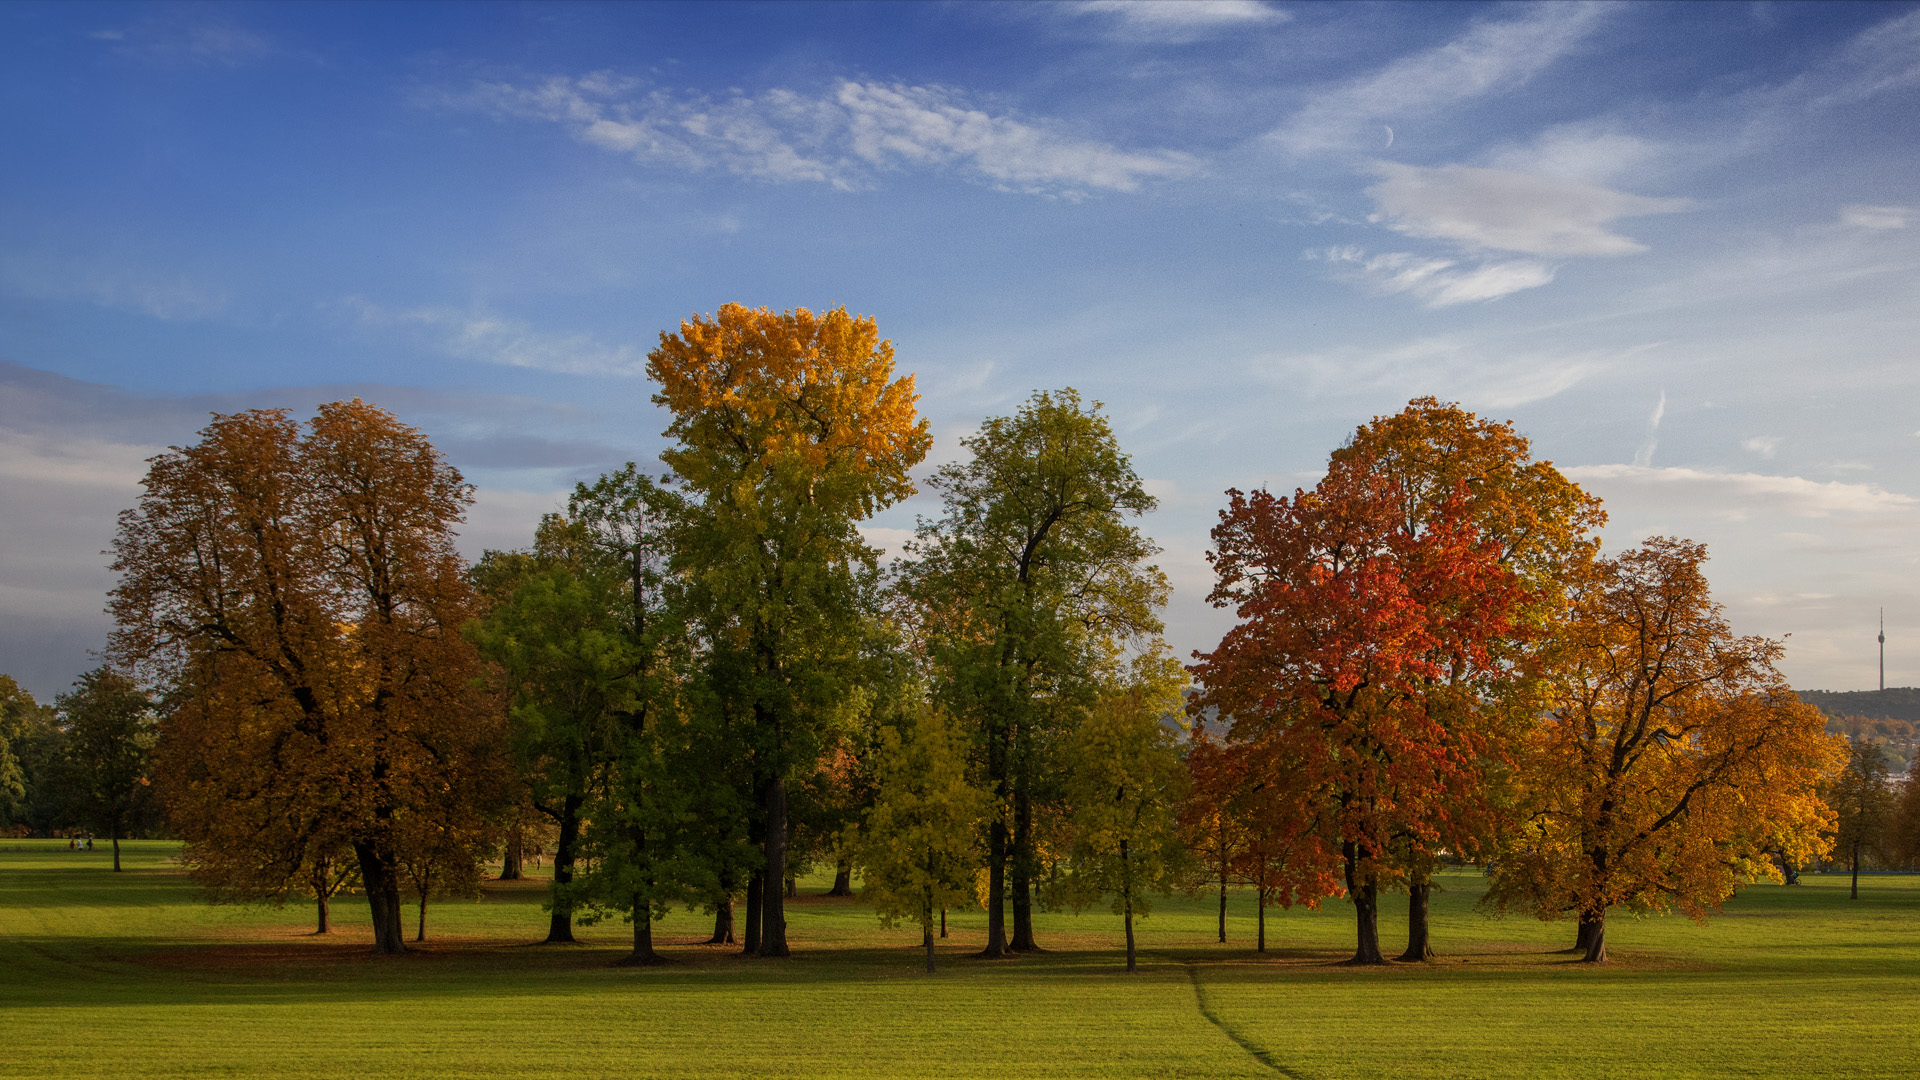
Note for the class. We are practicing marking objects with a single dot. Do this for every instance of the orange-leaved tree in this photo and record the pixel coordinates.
(299, 596)
(1347, 624)
(1671, 757)
(791, 429)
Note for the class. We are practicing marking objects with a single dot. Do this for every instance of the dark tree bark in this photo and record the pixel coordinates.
(1366, 911)
(1593, 937)
(793, 887)
(773, 916)
(756, 885)
(1126, 883)
(382, 882)
(560, 928)
(511, 859)
(1789, 870)
(1223, 905)
(1260, 940)
(1853, 865)
(842, 879)
(926, 939)
(722, 923)
(1022, 869)
(420, 932)
(643, 954)
(1419, 945)
(943, 922)
(114, 835)
(996, 891)
(323, 894)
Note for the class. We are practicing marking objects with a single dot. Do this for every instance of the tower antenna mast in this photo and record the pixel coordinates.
(1883, 648)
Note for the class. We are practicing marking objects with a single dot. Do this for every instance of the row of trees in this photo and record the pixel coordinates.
(702, 681)
(82, 764)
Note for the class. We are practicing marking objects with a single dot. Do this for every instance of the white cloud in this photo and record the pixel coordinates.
(1592, 152)
(1764, 445)
(840, 138)
(1875, 217)
(1439, 282)
(1744, 491)
(1181, 20)
(1503, 210)
(1491, 58)
(494, 339)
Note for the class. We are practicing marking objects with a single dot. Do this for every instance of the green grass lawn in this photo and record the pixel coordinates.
(129, 975)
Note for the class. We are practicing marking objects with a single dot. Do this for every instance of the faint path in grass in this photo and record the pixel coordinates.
(1206, 1010)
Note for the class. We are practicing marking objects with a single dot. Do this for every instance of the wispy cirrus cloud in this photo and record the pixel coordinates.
(170, 296)
(1494, 57)
(496, 339)
(842, 138)
(1437, 281)
(1876, 218)
(1443, 366)
(177, 42)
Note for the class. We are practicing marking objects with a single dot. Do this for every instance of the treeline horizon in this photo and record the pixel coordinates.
(696, 685)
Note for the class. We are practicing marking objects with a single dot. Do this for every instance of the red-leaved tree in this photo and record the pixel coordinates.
(1359, 651)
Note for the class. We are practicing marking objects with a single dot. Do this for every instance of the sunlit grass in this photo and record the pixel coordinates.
(130, 975)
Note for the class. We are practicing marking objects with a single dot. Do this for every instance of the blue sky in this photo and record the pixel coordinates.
(1677, 244)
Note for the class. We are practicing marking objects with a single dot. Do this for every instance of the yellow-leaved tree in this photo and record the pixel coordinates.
(919, 850)
(1671, 757)
(791, 429)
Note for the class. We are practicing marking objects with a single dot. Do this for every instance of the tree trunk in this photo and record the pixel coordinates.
(115, 836)
(943, 922)
(722, 923)
(792, 891)
(643, 953)
(773, 914)
(1366, 911)
(996, 891)
(322, 882)
(1130, 953)
(382, 883)
(756, 885)
(1419, 947)
(511, 859)
(1223, 905)
(926, 939)
(842, 879)
(1126, 886)
(1853, 865)
(560, 928)
(420, 933)
(1260, 940)
(1593, 937)
(1789, 870)
(1020, 885)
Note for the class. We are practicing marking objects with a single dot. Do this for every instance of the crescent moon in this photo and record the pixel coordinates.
(1389, 137)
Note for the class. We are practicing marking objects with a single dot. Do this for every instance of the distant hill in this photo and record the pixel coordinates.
(1894, 703)
(1889, 717)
